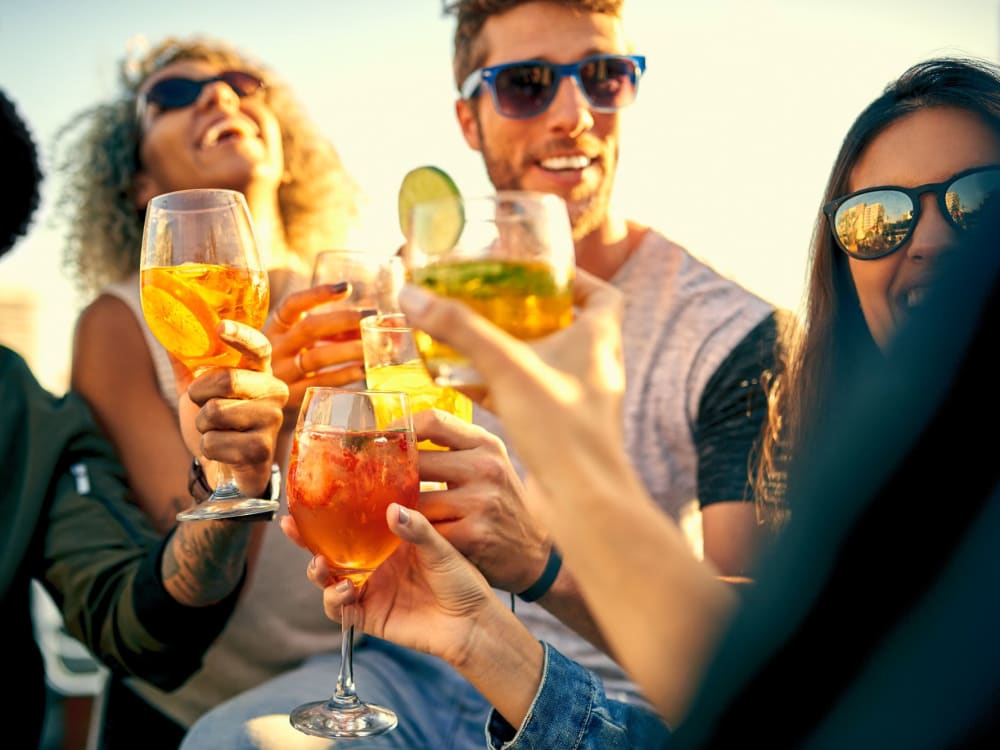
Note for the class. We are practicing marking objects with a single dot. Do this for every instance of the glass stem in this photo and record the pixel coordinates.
(225, 485)
(345, 695)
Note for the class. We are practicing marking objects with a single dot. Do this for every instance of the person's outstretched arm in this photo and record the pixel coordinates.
(659, 608)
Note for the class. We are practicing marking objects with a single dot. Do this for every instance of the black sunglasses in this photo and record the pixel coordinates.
(177, 92)
(875, 222)
(527, 88)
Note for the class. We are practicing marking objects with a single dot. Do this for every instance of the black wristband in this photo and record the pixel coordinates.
(540, 587)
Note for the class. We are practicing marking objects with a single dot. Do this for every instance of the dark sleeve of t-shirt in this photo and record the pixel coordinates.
(731, 414)
(176, 658)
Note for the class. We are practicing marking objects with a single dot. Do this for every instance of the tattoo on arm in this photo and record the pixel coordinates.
(205, 560)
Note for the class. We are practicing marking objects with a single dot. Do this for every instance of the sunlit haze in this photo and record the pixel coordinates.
(726, 151)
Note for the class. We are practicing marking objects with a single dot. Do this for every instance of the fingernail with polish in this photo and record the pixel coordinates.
(368, 312)
(404, 516)
(340, 286)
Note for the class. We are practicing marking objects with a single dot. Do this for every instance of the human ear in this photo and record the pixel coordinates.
(467, 121)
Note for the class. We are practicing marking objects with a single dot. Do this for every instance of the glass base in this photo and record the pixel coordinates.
(326, 719)
(238, 507)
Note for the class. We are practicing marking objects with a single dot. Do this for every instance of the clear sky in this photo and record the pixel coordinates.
(727, 149)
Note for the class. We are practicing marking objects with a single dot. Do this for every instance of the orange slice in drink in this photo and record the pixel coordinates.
(179, 318)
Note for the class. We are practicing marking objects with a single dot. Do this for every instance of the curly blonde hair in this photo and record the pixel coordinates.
(97, 154)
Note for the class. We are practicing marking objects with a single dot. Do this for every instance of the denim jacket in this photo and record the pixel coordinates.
(571, 712)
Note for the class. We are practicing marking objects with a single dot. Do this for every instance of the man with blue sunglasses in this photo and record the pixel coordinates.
(543, 86)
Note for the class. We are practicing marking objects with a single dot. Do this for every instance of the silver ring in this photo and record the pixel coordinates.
(298, 364)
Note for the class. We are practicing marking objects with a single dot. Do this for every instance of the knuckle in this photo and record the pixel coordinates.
(226, 379)
(280, 390)
(211, 413)
(256, 448)
(495, 444)
(436, 417)
(492, 471)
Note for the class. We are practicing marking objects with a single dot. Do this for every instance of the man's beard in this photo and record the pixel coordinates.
(586, 212)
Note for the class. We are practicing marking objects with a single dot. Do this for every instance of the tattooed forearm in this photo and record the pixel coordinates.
(205, 560)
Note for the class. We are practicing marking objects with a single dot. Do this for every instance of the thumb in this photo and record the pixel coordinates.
(412, 526)
(248, 341)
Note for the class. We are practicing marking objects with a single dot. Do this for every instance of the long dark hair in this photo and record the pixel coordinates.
(833, 334)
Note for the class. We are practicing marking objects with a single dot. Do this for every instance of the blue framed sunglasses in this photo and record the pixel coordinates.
(179, 91)
(526, 88)
(874, 222)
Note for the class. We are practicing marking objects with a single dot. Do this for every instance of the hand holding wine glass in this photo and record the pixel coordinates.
(353, 453)
(430, 598)
(200, 265)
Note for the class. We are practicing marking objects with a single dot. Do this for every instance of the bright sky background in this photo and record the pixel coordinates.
(727, 149)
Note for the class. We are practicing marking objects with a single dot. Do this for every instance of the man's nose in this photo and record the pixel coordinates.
(569, 111)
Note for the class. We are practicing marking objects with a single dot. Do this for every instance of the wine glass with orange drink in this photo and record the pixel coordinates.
(200, 265)
(353, 453)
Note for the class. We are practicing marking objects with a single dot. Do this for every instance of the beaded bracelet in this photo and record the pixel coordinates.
(540, 587)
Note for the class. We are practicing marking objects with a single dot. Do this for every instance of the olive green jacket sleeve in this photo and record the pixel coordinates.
(70, 525)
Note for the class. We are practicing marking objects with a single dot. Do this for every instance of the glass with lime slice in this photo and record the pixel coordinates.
(510, 258)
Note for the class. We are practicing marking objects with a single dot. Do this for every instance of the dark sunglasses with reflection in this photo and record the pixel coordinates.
(526, 88)
(178, 91)
(877, 221)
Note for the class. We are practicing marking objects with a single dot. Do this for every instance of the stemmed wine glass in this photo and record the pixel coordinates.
(353, 453)
(509, 256)
(200, 265)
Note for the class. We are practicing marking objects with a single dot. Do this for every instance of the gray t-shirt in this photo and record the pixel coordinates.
(695, 345)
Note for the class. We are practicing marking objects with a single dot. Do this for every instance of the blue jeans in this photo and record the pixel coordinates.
(437, 708)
